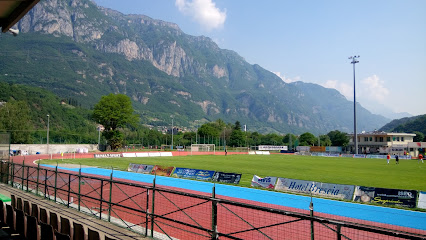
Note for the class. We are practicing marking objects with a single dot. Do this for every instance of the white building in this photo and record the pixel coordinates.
(382, 142)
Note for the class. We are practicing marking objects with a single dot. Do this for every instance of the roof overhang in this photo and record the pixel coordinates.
(11, 11)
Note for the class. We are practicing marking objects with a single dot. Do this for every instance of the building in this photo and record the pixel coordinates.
(382, 142)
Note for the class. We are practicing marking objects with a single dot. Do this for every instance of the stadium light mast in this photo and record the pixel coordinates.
(172, 129)
(48, 119)
(355, 61)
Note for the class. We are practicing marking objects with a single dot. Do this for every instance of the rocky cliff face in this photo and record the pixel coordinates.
(196, 79)
(75, 19)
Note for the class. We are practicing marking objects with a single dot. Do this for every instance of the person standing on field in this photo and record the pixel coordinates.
(388, 157)
(397, 159)
(420, 158)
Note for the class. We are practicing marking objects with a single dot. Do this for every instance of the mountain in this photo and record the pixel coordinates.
(409, 125)
(386, 111)
(68, 122)
(82, 51)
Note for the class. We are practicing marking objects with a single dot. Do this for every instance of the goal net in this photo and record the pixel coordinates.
(203, 149)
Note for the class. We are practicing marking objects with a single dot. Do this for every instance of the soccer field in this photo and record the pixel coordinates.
(409, 174)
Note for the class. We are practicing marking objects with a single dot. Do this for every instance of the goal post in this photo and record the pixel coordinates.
(203, 149)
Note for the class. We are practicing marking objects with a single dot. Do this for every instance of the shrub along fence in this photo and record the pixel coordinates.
(169, 214)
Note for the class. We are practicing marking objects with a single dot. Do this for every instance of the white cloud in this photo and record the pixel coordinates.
(285, 79)
(204, 12)
(368, 90)
(375, 89)
(343, 88)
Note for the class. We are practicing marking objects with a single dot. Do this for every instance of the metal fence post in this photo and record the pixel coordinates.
(45, 183)
(214, 213)
(69, 190)
(147, 210)
(38, 176)
(23, 174)
(79, 188)
(56, 179)
(338, 231)
(13, 173)
(1, 172)
(110, 197)
(311, 209)
(28, 177)
(152, 207)
(101, 199)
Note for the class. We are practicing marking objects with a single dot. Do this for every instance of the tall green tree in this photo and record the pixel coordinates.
(307, 139)
(419, 136)
(15, 118)
(237, 135)
(114, 111)
(338, 138)
(325, 140)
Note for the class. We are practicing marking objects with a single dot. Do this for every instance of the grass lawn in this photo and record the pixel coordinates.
(408, 175)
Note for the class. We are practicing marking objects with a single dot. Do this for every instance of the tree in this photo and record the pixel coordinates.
(419, 137)
(114, 111)
(325, 140)
(307, 139)
(237, 136)
(290, 140)
(338, 138)
(15, 117)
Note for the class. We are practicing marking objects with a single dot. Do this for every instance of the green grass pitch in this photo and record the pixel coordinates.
(409, 174)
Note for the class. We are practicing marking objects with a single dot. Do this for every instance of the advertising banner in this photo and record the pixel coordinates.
(197, 174)
(330, 190)
(128, 154)
(204, 175)
(162, 170)
(271, 148)
(227, 177)
(108, 155)
(266, 182)
(317, 149)
(184, 173)
(333, 149)
(398, 197)
(422, 200)
(140, 168)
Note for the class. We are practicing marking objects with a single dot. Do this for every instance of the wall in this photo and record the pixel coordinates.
(53, 148)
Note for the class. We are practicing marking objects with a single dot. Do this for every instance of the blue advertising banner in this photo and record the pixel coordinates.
(184, 173)
(204, 175)
(197, 174)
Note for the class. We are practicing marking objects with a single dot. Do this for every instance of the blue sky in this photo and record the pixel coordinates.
(311, 41)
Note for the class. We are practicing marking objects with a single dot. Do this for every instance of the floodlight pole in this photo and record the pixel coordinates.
(354, 61)
(172, 130)
(48, 120)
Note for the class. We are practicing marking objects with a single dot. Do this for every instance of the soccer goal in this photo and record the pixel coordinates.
(203, 149)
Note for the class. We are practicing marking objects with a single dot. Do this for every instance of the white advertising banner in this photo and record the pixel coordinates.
(266, 182)
(330, 190)
(422, 200)
(272, 148)
(128, 154)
